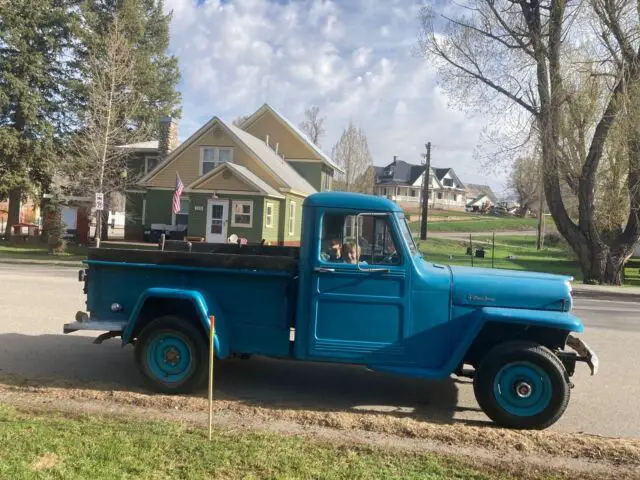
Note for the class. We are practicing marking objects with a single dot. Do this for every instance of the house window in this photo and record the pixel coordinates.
(447, 182)
(292, 218)
(182, 217)
(326, 182)
(413, 192)
(150, 162)
(211, 157)
(439, 195)
(242, 213)
(455, 197)
(268, 220)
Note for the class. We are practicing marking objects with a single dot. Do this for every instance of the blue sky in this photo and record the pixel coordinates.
(354, 59)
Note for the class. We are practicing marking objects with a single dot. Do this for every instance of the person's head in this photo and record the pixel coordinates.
(351, 252)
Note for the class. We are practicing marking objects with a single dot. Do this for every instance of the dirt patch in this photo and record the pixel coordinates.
(385, 427)
(45, 462)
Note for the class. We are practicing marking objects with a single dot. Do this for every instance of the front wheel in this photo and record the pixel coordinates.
(522, 385)
(171, 354)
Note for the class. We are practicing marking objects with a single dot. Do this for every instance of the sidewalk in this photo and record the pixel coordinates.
(602, 292)
(37, 261)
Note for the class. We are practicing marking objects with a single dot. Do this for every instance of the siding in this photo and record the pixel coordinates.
(311, 172)
(272, 234)
(133, 227)
(289, 144)
(198, 219)
(187, 162)
(226, 180)
(158, 206)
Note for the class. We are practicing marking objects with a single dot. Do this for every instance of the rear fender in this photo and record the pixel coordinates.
(203, 307)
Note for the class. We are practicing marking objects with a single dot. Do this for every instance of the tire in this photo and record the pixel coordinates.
(542, 379)
(171, 353)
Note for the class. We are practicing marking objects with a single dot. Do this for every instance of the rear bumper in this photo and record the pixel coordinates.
(585, 353)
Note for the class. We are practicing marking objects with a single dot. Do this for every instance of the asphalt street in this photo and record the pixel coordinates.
(35, 301)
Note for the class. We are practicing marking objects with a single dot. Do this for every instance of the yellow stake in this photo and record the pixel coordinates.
(212, 329)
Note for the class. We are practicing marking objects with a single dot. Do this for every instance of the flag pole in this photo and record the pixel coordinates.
(212, 330)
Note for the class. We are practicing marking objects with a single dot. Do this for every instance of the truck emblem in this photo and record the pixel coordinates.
(480, 298)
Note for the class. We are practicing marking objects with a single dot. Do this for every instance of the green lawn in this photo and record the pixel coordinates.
(522, 248)
(478, 223)
(53, 446)
(38, 251)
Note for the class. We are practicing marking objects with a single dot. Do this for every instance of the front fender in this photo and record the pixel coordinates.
(538, 318)
(204, 308)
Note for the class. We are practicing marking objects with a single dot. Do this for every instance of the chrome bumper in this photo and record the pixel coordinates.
(585, 354)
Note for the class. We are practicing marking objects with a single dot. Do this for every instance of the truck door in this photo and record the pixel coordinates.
(359, 290)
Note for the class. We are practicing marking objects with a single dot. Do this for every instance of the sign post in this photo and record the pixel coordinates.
(212, 330)
(99, 205)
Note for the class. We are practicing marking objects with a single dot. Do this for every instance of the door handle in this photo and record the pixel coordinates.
(324, 270)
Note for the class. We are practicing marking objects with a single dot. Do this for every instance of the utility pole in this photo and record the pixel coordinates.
(425, 192)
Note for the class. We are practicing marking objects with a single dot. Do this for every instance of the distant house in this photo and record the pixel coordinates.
(402, 182)
(248, 180)
(479, 197)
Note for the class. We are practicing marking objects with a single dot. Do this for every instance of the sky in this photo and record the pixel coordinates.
(354, 59)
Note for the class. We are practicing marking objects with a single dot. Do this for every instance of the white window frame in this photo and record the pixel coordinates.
(233, 214)
(216, 156)
(173, 214)
(268, 217)
(146, 163)
(291, 223)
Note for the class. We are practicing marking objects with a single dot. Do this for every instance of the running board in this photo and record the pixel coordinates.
(98, 326)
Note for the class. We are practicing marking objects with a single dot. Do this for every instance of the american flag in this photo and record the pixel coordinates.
(177, 193)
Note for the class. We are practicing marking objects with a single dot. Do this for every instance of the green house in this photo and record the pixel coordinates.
(248, 180)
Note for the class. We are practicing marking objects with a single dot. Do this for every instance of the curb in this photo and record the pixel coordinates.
(605, 295)
(44, 263)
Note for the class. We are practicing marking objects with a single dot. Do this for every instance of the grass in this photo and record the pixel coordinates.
(556, 259)
(38, 251)
(478, 223)
(54, 446)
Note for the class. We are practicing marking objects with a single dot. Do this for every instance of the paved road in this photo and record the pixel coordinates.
(36, 301)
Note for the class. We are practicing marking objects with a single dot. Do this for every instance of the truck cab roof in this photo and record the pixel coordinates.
(356, 201)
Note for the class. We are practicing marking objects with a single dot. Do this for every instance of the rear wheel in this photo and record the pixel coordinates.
(171, 354)
(522, 385)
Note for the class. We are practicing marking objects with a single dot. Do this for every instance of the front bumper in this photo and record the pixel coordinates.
(585, 353)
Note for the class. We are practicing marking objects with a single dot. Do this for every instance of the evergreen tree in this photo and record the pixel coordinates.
(37, 67)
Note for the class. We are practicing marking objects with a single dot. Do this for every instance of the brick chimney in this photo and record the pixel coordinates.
(168, 136)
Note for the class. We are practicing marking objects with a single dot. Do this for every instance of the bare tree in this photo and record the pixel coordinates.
(534, 58)
(523, 182)
(352, 154)
(98, 166)
(239, 120)
(312, 125)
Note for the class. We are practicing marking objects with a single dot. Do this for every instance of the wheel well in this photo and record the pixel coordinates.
(155, 307)
(493, 333)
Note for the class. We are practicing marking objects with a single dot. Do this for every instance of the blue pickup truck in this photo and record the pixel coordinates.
(357, 291)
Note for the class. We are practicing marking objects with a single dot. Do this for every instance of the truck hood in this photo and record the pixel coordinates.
(511, 289)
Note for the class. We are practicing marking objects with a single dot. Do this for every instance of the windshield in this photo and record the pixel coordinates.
(406, 233)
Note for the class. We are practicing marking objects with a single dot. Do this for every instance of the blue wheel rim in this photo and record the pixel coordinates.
(522, 389)
(169, 358)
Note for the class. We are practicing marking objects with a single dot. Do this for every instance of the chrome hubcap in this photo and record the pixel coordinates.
(523, 390)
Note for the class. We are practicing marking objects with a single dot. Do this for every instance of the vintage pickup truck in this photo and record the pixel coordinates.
(357, 291)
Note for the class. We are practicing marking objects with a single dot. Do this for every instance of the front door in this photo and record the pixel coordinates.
(217, 221)
(359, 312)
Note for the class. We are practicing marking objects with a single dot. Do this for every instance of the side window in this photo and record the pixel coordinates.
(375, 244)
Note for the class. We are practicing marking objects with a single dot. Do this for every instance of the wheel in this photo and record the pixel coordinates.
(171, 354)
(522, 385)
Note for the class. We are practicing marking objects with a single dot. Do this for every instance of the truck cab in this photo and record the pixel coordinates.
(356, 291)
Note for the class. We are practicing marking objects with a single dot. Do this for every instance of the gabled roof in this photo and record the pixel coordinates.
(295, 130)
(400, 172)
(441, 172)
(475, 190)
(254, 146)
(244, 174)
(150, 146)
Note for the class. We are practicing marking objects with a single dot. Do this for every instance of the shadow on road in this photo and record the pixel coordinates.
(69, 361)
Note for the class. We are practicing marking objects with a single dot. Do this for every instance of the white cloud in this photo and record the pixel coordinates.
(351, 58)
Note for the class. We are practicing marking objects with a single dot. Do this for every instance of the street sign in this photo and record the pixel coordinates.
(99, 201)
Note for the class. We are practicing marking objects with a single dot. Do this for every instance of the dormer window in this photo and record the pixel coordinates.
(211, 157)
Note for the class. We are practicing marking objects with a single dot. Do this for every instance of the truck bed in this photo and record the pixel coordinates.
(282, 259)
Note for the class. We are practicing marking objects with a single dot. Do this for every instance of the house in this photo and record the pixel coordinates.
(402, 182)
(479, 197)
(248, 180)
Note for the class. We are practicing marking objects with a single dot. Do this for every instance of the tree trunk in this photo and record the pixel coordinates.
(602, 265)
(15, 204)
(105, 218)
